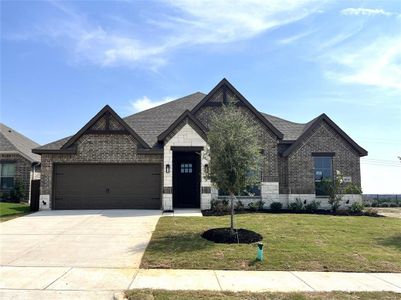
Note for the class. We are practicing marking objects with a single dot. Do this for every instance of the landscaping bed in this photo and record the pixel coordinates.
(240, 236)
(368, 212)
(291, 242)
(184, 295)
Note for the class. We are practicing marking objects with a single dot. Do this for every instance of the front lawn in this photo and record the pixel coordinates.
(292, 242)
(10, 211)
(185, 295)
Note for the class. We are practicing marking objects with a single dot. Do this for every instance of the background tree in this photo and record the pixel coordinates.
(234, 154)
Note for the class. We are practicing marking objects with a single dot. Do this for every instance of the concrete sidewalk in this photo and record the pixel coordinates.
(262, 281)
(101, 283)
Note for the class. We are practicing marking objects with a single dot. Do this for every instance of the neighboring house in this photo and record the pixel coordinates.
(18, 165)
(155, 159)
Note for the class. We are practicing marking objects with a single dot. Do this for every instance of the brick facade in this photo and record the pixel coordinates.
(284, 178)
(94, 148)
(24, 171)
(268, 140)
(301, 164)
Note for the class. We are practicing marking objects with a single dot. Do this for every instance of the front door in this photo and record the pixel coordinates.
(186, 179)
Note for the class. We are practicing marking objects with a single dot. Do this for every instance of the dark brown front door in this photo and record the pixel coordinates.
(97, 186)
(186, 179)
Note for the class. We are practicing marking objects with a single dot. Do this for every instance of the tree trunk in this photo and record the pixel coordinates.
(232, 214)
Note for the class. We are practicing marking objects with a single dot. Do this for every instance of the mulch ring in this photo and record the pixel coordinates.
(223, 236)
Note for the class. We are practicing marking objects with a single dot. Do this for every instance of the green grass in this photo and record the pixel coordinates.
(10, 211)
(187, 295)
(292, 242)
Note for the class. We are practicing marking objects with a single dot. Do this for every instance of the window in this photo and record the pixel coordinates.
(7, 173)
(323, 173)
(186, 168)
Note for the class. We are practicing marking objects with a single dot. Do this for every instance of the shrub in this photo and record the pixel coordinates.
(312, 206)
(356, 208)
(219, 206)
(239, 206)
(276, 206)
(6, 196)
(352, 188)
(393, 205)
(297, 205)
(252, 206)
(19, 191)
(260, 204)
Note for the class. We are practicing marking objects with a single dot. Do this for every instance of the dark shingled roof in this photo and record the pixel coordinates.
(290, 130)
(13, 141)
(56, 145)
(152, 122)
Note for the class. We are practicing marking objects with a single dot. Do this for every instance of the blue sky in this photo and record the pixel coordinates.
(61, 62)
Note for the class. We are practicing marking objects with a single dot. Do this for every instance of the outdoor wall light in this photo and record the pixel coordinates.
(206, 168)
(167, 168)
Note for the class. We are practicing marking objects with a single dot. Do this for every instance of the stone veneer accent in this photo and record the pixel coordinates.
(324, 204)
(184, 135)
(93, 148)
(269, 192)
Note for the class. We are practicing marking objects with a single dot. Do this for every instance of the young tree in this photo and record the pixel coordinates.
(234, 154)
(334, 190)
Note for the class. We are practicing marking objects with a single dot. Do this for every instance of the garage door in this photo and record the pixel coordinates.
(106, 186)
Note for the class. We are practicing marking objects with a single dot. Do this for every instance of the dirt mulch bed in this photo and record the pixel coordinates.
(223, 236)
(211, 213)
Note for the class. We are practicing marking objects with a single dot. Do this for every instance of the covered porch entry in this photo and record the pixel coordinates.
(186, 176)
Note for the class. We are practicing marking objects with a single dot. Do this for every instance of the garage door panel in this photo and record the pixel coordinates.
(107, 186)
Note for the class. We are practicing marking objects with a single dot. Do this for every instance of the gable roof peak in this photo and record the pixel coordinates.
(185, 115)
(314, 124)
(257, 114)
(99, 115)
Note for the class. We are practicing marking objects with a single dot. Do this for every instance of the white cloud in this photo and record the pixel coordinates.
(376, 63)
(294, 38)
(146, 103)
(223, 21)
(188, 23)
(365, 12)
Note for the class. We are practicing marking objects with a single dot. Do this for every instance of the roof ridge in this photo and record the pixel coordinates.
(266, 114)
(11, 130)
(163, 104)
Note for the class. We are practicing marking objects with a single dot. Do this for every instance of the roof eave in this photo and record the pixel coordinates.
(71, 150)
(105, 109)
(186, 114)
(28, 158)
(223, 82)
(323, 117)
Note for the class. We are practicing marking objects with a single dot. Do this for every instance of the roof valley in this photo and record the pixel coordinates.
(152, 122)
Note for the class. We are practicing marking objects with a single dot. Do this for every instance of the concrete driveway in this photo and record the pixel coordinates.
(74, 250)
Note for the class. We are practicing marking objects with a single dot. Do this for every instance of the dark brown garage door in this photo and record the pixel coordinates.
(107, 186)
